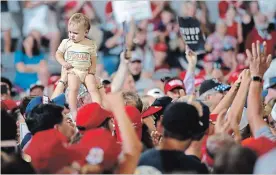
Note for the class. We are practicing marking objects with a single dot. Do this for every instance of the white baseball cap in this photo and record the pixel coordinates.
(156, 93)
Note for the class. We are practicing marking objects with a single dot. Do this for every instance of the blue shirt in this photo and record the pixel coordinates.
(25, 79)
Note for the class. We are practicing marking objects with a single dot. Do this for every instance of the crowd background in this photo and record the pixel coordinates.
(156, 41)
(162, 81)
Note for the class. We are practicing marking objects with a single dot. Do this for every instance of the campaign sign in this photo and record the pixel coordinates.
(125, 10)
(190, 31)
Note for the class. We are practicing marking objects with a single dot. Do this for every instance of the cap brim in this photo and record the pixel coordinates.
(37, 86)
(175, 87)
(150, 111)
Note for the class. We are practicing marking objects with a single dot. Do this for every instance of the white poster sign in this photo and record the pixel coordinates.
(124, 10)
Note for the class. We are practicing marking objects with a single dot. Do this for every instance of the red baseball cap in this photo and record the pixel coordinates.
(48, 153)
(172, 84)
(91, 116)
(97, 146)
(8, 104)
(136, 120)
(150, 111)
(260, 145)
(161, 47)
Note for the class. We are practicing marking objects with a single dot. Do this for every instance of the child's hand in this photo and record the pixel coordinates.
(64, 75)
(67, 66)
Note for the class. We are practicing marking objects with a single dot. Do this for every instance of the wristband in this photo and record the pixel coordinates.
(257, 78)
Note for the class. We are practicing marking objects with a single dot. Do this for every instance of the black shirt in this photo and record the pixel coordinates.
(169, 161)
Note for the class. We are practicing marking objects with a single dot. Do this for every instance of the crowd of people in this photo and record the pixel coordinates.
(150, 104)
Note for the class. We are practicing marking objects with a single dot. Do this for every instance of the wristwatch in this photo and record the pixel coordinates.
(257, 78)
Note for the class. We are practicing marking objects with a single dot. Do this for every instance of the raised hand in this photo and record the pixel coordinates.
(191, 56)
(125, 56)
(156, 137)
(246, 76)
(259, 61)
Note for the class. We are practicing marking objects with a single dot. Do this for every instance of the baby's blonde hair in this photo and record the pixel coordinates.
(79, 18)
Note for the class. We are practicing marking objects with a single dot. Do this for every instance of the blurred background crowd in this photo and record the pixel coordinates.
(34, 29)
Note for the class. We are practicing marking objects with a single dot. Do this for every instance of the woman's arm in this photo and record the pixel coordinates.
(23, 68)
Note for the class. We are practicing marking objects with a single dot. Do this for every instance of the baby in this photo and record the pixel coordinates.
(78, 55)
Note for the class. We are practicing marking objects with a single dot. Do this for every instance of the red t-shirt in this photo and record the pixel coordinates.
(254, 36)
(233, 30)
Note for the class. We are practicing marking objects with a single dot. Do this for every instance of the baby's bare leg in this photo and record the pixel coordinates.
(90, 82)
(73, 85)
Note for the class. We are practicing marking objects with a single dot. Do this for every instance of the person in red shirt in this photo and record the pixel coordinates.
(233, 27)
(261, 33)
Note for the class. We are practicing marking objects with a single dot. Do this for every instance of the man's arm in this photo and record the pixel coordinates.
(259, 63)
(189, 80)
(131, 145)
(227, 99)
(120, 75)
(237, 106)
(254, 111)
